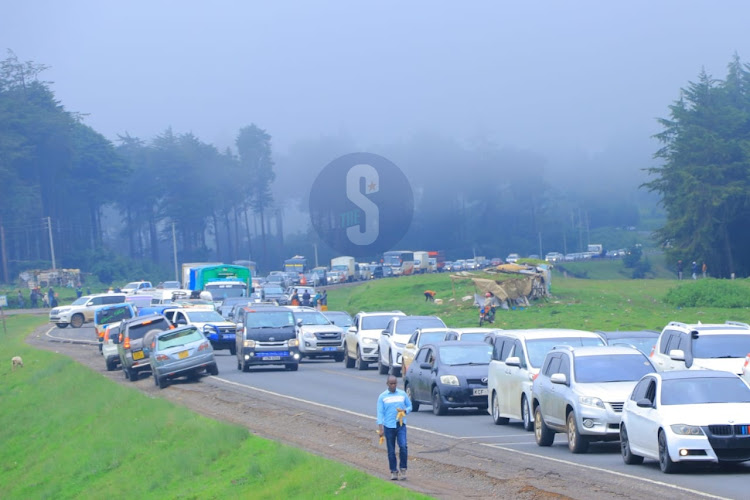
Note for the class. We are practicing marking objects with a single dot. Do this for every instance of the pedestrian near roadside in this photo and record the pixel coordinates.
(51, 296)
(79, 291)
(21, 303)
(45, 300)
(695, 270)
(306, 298)
(33, 298)
(679, 269)
(295, 298)
(324, 301)
(704, 268)
(429, 295)
(393, 406)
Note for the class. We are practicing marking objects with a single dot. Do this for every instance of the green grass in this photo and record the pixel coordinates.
(68, 432)
(575, 303)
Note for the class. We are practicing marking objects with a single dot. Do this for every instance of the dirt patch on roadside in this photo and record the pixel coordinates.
(438, 466)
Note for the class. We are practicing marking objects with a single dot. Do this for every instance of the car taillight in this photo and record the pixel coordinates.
(534, 376)
(204, 346)
(162, 357)
(126, 344)
(653, 348)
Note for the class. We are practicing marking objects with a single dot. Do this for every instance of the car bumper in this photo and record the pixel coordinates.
(463, 396)
(276, 356)
(177, 368)
(595, 422)
(309, 347)
(734, 448)
(369, 352)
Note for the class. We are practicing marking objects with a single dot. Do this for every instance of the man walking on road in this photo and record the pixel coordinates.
(393, 405)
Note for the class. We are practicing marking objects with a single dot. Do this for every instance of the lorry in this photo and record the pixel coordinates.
(346, 264)
(221, 280)
(297, 264)
(421, 262)
(597, 249)
(439, 257)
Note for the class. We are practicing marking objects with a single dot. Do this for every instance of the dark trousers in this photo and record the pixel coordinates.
(393, 436)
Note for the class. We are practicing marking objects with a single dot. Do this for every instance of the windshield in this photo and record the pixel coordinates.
(611, 368)
(221, 292)
(473, 337)
(407, 326)
(111, 315)
(392, 260)
(721, 346)
(138, 331)
(704, 390)
(203, 316)
(375, 322)
(269, 319)
(312, 318)
(178, 338)
(339, 319)
(538, 348)
(463, 355)
(273, 290)
(430, 337)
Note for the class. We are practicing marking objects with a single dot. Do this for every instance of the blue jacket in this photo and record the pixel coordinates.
(388, 403)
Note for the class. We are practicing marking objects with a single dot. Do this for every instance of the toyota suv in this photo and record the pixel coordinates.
(134, 342)
(317, 336)
(361, 342)
(581, 391)
(517, 356)
(266, 335)
(394, 337)
(702, 347)
(82, 309)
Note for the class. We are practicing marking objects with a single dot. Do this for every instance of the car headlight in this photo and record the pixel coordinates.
(590, 401)
(449, 379)
(293, 343)
(367, 340)
(399, 344)
(686, 430)
(248, 343)
(308, 335)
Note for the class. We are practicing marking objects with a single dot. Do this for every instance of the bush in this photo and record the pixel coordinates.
(710, 293)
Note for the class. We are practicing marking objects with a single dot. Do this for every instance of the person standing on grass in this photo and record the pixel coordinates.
(679, 269)
(21, 303)
(695, 270)
(705, 269)
(393, 405)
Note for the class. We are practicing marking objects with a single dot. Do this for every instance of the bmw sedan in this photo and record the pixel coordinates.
(449, 375)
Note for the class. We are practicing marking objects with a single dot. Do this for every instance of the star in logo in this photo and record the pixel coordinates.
(371, 187)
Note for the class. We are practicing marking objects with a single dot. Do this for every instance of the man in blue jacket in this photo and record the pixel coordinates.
(393, 405)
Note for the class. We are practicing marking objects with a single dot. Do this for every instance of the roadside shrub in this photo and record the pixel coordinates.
(710, 293)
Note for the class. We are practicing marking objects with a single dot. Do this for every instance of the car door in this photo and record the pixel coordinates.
(545, 388)
(516, 380)
(424, 377)
(495, 371)
(383, 342)
(410, 350)
(351, 338)
(643, 423)
(417, 375)
(505, 376)
(559, 398)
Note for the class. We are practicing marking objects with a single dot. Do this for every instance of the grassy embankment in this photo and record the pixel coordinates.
(67, 432)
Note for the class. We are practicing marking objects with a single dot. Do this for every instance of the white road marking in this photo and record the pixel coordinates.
(621, 474)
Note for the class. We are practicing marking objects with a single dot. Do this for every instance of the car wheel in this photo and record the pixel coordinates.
(358, 363)
(161, 381)
(126, 372)
(544, 435)
(382, 369)
(437, 403)
(338, 357)
(233, 350)
(348, 362)
(131, 374)
(239, 365)
(576, 442)
(666, 464)
(76, 321)
(627, 456)
(496, 411)
(110, 365)
(156, 379)
(292, 367)
(62, 325)
(528, 420)
(213, 369)
(414, 403)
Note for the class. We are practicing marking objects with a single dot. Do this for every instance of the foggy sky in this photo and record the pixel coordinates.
(577, 76)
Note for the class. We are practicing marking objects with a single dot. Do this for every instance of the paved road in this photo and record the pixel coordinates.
(327, 383)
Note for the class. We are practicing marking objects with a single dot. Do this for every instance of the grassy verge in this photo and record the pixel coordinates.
(67, 432)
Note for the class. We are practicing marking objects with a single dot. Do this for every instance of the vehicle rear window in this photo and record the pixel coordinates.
(139, 330)
(692, 391)
(472, 337)
(611, 368)
(462, 354)
(112, 315)
(430, 337)
(721, 346)
(375, 322)
(178, 338)
(312, 318)
(538, 348)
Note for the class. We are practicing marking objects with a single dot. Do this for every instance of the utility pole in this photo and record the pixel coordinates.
(6, 278)
(51, 243)
(174, 246)
(541, 255)
(315, 248)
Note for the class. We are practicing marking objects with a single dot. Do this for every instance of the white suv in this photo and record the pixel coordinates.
(517, 356)
(82, 309)
(317, 336)
(361, 342)
(702, 347)
(395, 336)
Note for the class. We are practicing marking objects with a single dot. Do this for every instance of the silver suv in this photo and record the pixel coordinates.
(317, 336)
(581, 391)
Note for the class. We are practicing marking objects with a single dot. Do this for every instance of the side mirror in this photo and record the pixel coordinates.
(352, 329)
(559, 378)
(677, 355)
(425, 366)
(645, 403)
(239, 326)
(513, 361)
(385, 332)
(299, 322)
(115, 339)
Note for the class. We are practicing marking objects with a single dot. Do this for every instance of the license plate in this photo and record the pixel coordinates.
(329, 348)
(480, 392)
(272, 358)
(182, 354)
(137, 355)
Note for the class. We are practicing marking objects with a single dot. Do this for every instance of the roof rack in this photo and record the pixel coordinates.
(737, 323)
(678, 323)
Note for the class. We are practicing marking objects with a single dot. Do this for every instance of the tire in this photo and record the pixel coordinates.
(110, 365)
(358, 363)
(437, 403)
(156, 380)
(213, 369)
(161, 381)
(133, 375)
(348, 362)
(76, 321)
(628, 456)
(666, 464)
(245, 368)
(526, 417)
(382, 369)
(576, 442)
(62, 325)
(126, 373)
(292, 367)
(233, 350)
(414, 403)
(543, 435)
(496, 411)
(338, 357)
(239, 365)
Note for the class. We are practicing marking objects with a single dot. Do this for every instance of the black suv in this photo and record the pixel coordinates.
(134, 342)
(266, 335)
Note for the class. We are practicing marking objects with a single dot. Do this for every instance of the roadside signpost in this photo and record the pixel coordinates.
(3, 303)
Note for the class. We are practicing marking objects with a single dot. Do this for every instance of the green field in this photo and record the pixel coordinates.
(67, 432)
